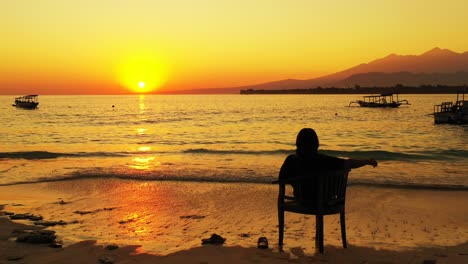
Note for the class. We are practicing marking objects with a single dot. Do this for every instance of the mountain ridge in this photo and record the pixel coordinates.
(434, 67)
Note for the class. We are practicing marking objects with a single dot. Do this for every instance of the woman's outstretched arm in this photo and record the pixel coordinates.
(357, 163)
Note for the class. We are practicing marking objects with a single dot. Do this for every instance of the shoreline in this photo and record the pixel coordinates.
(90, 252)
(169, 220)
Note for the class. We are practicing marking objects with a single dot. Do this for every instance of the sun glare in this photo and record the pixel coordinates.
(143, 73)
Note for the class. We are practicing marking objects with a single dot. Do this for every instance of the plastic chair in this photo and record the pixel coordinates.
(330, 198)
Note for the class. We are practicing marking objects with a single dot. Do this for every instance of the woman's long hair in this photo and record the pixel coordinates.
(307, 143)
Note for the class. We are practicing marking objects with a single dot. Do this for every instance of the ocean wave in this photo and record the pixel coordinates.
(359, 154)
(38, 155)
(410, 186)
(435, 155)
(242, 152)
(231, 179)
(398, 156)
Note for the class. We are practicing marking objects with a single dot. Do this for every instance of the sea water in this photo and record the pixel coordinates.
(225, 138)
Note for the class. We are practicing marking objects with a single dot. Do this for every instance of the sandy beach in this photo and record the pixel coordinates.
(164, 222)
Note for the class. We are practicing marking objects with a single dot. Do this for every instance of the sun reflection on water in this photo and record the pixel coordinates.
(136, 223)
(144, 149)
(144, 163)
(141, 103)
(141, 131)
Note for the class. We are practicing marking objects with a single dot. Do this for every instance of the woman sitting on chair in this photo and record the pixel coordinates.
(307, 162)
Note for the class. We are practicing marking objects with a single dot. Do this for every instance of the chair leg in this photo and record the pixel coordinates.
(280, 228)
(319, 232)
(343, 229)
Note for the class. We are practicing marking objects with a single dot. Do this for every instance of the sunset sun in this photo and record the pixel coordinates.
(142, 73)
(141, 85)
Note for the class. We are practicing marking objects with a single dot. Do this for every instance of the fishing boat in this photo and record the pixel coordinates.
(381, 100)
(452, 113)
(27, 101)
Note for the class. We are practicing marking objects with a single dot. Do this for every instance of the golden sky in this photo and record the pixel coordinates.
(121, 46)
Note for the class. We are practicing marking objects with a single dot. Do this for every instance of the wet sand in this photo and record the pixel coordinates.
(165, 222)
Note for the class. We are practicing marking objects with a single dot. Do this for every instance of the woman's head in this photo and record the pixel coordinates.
(307, 142)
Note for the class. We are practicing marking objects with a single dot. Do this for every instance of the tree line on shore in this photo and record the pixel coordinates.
(399, 88)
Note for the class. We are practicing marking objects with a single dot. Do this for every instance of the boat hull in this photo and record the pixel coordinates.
(26, 105)
(371, 104)
(450, 118)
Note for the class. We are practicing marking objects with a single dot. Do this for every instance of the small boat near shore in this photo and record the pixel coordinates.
(381, 100)
(27, 101)
(452, 113)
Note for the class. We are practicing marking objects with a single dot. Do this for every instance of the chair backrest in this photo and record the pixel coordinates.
(329, 190)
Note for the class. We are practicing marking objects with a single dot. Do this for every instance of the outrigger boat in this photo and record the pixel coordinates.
(452, 113)
(382, 100)
(27, 101)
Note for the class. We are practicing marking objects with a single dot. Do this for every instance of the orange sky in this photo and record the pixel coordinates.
(118, 46)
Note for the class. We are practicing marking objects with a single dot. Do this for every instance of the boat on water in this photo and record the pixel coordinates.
(27, 101)
(381, 100)
(452, 113)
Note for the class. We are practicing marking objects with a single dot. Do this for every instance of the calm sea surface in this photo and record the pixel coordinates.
(225, 138)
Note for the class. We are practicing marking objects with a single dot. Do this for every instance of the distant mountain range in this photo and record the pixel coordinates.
(435, 67)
